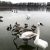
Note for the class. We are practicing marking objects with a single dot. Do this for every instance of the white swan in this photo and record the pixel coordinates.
(27, 35)
(39, 42)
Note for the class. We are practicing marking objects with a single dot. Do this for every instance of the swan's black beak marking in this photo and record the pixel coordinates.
(41, 24)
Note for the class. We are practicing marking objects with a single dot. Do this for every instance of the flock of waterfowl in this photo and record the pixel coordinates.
(18, 28)
(28, 34)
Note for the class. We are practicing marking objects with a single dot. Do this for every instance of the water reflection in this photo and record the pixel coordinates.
(14, 10)
(1, 17)
(25, 46)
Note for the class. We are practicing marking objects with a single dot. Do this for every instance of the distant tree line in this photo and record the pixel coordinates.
(3, 3)
(48, 6)
(23, 6)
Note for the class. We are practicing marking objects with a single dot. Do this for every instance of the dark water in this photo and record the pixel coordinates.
(7, 41)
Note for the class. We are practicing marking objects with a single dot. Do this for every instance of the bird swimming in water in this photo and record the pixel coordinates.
(33, 28)
(9, 27)
(38, 42)
(26, 25)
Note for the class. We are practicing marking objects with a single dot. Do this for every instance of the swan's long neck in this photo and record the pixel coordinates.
(38, 32)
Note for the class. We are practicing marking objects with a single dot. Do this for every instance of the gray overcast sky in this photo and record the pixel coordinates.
(18, 1)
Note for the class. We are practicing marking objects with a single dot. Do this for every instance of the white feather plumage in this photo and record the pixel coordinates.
(39, 42)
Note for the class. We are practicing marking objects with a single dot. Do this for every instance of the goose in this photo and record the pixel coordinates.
(33, 28)
(26, 25)
(1, 20)
(38, 42)
(16, 25)
(9, 27)
(1, 17)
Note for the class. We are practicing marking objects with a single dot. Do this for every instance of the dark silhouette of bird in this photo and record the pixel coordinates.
(1, 17)
(26, 25)
(9, 27)
(1, 20)
(16, 25)
(34, 26)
